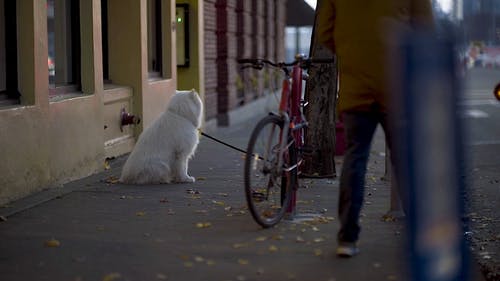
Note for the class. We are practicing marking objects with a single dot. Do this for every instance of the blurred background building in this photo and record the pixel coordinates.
(70, 69)
(480, 20)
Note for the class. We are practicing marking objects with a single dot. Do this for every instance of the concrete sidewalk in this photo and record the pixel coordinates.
(97, 229)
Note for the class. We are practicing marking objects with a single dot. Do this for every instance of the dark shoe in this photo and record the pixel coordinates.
(347, 249)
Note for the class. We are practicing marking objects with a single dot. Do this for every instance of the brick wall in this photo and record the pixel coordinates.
(210, 59)
(237, 29)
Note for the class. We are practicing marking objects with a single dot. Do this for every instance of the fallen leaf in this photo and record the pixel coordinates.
(299, 239)
(318, 240)
(318, 252)
(106, 165)
(201, 178)
(210, 262)
(140, 214)
(273, 248)
(52, 243)
(111, 276)
(388, 218)
(203, 225)
(223, 194)
(112, 180)
(199, 259)
(220, 203)
(261, 238)
(242, 261)
(188, 264)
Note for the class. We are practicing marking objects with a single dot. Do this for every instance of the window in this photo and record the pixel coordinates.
(9, 93)
(297, 41)
(182, 32)
(63, 23)
(105, 43)
(154, 39)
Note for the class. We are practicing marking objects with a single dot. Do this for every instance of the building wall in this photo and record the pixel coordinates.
(47, 142)
(239, 29)
(210, 39)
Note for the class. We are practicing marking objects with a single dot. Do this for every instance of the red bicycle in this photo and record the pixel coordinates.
(276, 145)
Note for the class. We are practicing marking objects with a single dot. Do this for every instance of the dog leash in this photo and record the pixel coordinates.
(226, 144)
(222, 142)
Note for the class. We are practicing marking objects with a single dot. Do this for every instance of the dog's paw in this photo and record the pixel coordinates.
(187, 179)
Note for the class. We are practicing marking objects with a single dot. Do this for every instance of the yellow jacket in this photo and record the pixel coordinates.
(354, 30)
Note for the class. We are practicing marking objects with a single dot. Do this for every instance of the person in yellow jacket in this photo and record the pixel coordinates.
(357, 32)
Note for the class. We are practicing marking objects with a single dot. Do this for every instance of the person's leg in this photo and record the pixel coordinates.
(392, 144)
(359, 130)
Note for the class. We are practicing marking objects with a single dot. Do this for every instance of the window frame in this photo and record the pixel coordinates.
(105, 41)
(155, 39)
(71, 82)
(10, 48)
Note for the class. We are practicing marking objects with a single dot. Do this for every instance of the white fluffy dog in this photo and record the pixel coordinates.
(163, 150)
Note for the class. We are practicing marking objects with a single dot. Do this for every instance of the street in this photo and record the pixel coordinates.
(98, 229)
(482, 118)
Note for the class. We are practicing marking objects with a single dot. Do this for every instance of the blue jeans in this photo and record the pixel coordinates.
(359, 128)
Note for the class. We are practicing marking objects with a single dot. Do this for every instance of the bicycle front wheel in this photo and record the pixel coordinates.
(268, 185)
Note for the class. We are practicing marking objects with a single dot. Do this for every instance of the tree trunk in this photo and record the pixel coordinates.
(321, 91)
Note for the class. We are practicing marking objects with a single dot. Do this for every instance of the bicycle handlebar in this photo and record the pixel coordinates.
(304, 63)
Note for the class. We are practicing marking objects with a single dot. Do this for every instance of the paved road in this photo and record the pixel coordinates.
(202, 231)
(482, 115)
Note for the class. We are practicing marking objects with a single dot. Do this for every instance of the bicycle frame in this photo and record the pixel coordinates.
(292, 123)
(290, 110)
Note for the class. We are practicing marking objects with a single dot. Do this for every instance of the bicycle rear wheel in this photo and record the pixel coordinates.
(268, 188)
